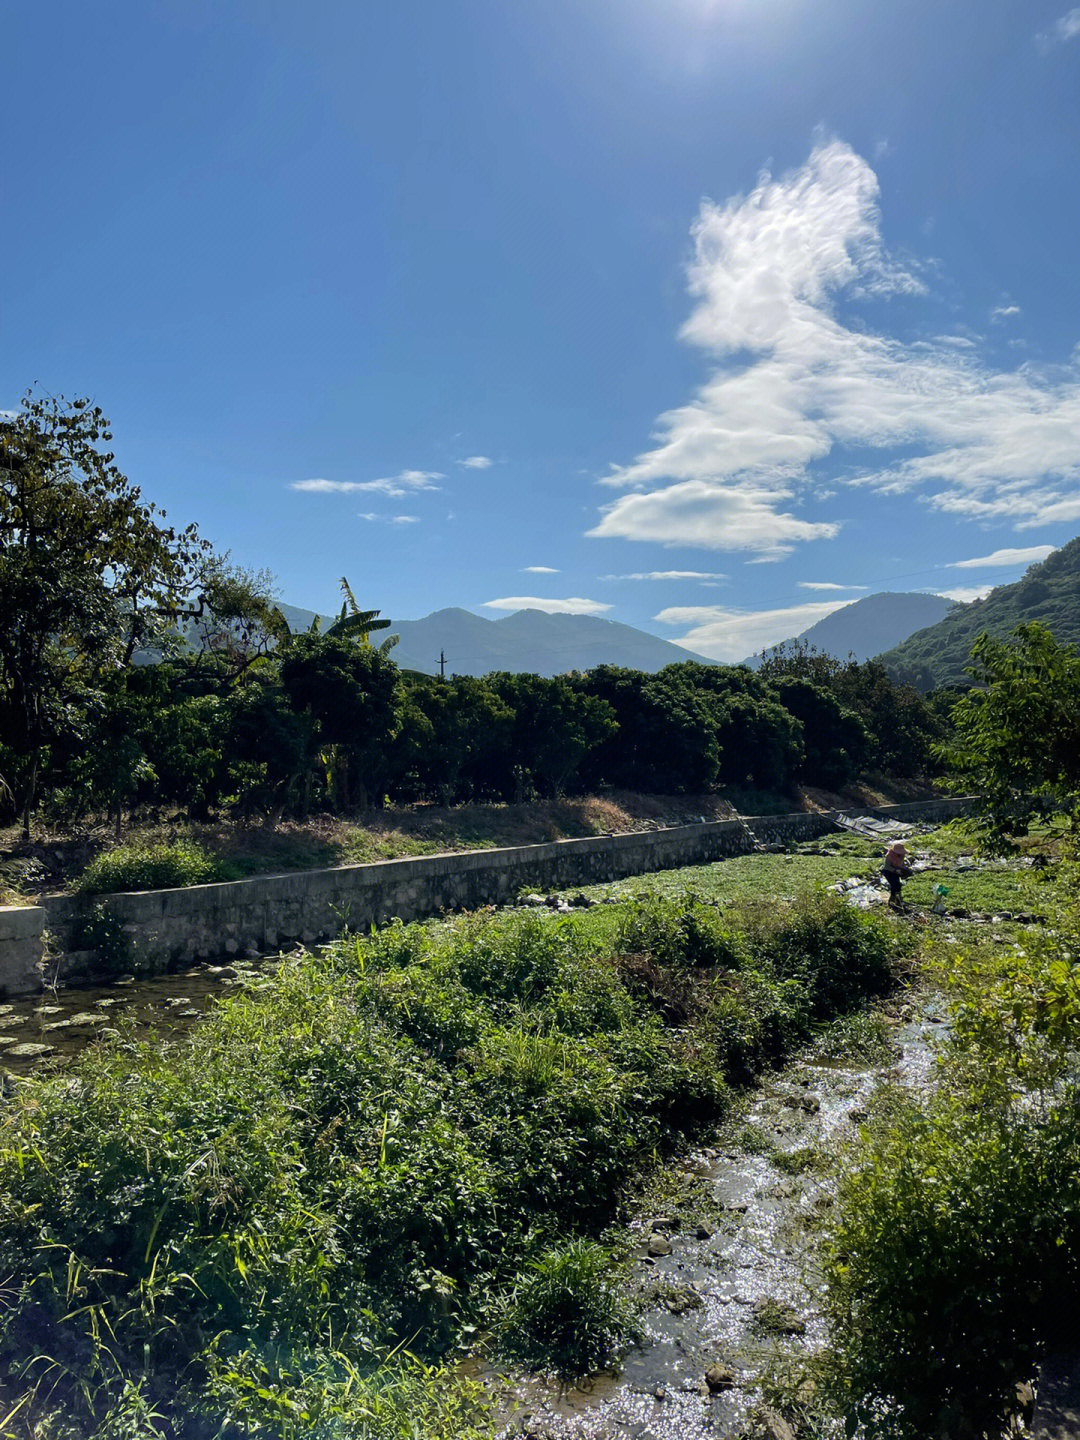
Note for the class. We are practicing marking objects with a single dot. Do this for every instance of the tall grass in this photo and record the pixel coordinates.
(372, 1149)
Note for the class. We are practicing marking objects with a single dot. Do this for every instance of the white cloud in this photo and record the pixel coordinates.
(394, 485)
(388, 519)
(573, 606)
(1005, 557)
(966, 593)
(796, 382)
(404, 519)
(668, 575)
(1003, 312)
(732, 635)
(827, 585)
(476, 462)
(1065, 28)
(703, 513)
(539, 570)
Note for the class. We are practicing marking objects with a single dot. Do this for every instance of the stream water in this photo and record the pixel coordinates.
(738, 1289)
(52, 1026)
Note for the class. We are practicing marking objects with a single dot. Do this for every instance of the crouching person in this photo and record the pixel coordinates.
(895, 871)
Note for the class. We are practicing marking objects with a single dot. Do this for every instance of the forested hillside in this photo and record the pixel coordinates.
(1049, 593)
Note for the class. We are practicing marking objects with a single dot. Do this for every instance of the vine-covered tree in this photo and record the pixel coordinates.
(89, 572)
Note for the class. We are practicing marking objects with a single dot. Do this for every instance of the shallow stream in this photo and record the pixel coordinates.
(738, 1289)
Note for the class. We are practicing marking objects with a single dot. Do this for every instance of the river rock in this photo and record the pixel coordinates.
(659, 1245)
(778, 1316)
(719, 1377)
(768, 1424)
(663, 1222)
(705, 1231)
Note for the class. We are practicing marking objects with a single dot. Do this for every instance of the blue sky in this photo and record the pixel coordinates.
(714, 313)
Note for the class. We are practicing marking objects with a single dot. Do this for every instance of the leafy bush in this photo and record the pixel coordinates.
(163, 866)
(565, 1312)
(957, 1244)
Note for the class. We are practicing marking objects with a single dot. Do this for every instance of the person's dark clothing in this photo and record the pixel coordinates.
(893, 875)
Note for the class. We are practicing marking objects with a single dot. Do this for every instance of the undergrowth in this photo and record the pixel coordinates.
(955, 1256)
(375, 1148)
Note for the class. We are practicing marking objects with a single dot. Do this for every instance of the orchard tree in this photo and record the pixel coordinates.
(89, 572)
(1016, 735)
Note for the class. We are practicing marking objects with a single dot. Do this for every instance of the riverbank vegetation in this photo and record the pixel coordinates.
(398, 1143)
(955, 1260)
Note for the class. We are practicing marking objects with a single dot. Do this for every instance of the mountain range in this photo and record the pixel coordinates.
(528, 640)
(923, 639)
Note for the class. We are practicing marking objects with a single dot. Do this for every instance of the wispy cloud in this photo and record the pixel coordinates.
(1004, 312)
(966, 593)
(732, 635)
(476, 462)
(539, 570)
(1064, 29)
(575, 605)
(668, 575)
(1005, 557)
(774, 275)
(405, 482)
(374, 516)
(827, 585)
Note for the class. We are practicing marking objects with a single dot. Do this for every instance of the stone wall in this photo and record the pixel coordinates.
(22, 948)
(267, 913)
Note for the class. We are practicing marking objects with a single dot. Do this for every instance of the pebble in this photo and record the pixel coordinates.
(659, 1246)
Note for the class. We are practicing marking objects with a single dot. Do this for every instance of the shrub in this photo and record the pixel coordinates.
(956, 1251)
(565, 1312)
(163, 866)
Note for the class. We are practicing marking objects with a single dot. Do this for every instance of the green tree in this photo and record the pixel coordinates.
(666, 739)
(1016, 735)
(88, 574)
(835, 739)
(350, 692)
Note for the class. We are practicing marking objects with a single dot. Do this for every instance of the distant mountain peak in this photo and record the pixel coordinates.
(871, 624)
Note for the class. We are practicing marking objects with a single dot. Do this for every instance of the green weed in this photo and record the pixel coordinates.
(565, 1312)
(161, 866)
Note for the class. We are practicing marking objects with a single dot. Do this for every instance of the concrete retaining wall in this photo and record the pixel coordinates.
(22, 948)
(163, 928)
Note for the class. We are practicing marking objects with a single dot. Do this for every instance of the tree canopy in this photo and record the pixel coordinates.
(1016, 735)
(89, 572)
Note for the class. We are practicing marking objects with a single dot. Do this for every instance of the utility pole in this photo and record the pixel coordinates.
(442, 665)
